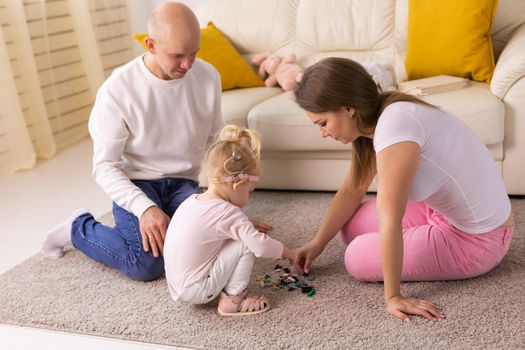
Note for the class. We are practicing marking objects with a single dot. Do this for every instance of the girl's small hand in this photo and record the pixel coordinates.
(261, 226)
(288, 254)
(401, 307)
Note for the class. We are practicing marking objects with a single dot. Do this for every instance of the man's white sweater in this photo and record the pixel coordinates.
(146, 128)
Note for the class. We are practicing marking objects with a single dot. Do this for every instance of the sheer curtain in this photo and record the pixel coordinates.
(54, 54)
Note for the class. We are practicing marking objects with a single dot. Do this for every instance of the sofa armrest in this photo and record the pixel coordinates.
(508, 83)
(510, 67)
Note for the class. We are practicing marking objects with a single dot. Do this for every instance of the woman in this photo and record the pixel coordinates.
(441, 213)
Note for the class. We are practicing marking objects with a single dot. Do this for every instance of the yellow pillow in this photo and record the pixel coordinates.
(450, 37)
(233, 69)
(141, 39)
(218, 51)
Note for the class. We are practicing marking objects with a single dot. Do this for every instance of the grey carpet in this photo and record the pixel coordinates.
(75, 294)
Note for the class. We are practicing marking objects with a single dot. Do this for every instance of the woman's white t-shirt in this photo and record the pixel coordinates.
(456, 175)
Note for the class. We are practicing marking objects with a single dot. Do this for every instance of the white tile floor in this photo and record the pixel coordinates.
(31, 203)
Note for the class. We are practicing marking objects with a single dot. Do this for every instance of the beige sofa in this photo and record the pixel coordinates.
(294, 155)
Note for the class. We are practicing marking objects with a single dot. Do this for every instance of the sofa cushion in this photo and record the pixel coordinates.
(285, 127)
(479, 108)
(237, 103)
(361, 30)
(509, 17)
(252, 26)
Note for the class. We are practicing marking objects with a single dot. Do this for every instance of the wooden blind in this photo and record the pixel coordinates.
(25, 76)
(46, 64)
(67, 96)
(112, 33)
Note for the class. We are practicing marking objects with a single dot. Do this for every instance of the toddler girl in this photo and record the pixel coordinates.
(210, 243)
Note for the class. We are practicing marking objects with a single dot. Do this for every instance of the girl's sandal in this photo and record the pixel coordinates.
(242, 304)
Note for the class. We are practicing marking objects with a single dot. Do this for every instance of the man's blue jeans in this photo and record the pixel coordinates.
(121, 247)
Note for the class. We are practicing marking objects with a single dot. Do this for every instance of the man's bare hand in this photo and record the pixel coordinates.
(153, 225)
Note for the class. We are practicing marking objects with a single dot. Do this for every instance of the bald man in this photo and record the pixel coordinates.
(151, 123)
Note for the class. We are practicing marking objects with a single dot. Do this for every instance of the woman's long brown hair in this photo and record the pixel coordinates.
(333, 83)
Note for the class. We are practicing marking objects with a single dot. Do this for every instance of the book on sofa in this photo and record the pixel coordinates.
(432, 85)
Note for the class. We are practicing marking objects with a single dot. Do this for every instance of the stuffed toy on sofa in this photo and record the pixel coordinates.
(382, 73)
(278, 71)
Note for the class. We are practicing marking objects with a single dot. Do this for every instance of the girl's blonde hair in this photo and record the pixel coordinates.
(237, 150)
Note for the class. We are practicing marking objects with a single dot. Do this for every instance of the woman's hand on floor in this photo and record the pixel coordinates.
(401, 307)
(305, 255)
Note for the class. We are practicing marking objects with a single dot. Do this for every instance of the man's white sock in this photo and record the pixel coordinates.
(60, 236)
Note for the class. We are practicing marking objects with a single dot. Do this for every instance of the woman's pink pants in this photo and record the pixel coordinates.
(433, 249)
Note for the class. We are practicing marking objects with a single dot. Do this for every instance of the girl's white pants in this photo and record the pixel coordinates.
(230, 272)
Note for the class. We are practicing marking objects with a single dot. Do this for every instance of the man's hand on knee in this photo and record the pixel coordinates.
(153, 225)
